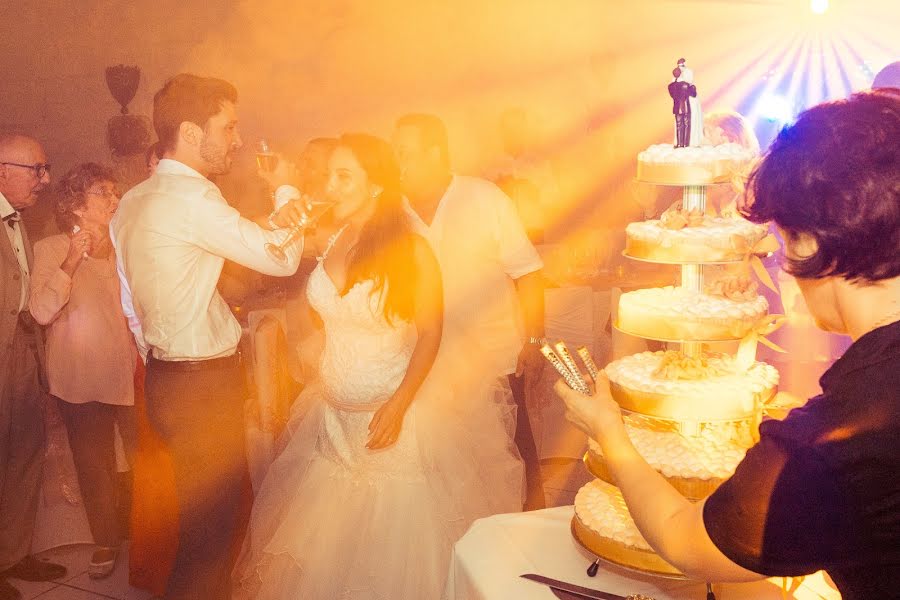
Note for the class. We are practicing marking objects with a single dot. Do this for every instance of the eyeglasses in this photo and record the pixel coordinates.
(40, 169)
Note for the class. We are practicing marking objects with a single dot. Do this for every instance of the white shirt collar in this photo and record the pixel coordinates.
(6, 208)
(170, 166)
(412, 211)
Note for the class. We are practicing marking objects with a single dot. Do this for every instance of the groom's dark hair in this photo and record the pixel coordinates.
(190, 98)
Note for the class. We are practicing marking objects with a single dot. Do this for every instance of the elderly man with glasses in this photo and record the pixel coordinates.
(23, 173)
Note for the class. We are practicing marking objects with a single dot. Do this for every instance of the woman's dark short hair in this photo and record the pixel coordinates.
(71, 191)
(835, 176)
(190, 98)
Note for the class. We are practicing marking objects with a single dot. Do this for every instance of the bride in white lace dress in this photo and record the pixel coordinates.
(396, 452)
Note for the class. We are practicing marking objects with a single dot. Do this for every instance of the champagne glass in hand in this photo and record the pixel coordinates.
(265, 158)
(313, 209)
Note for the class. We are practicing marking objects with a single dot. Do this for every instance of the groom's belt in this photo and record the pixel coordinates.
(224, 362)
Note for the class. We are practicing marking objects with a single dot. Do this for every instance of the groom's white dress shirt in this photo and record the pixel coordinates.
(481, 247)
(172, 234)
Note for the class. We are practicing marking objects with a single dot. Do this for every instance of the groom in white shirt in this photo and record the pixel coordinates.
(172, 234)
(490, 270)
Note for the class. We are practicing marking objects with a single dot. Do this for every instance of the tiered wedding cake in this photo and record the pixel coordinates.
(691, 413)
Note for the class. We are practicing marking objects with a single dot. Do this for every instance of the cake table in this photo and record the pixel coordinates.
(487, 562)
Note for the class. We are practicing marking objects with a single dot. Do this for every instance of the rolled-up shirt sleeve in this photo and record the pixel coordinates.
(517, 254)
(219, 229)
(50, 286)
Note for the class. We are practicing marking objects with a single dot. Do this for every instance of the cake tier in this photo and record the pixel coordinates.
(722, 391)
(603, 526)
(695, 465)
(714, 239)
(703, 165)
(679, 314)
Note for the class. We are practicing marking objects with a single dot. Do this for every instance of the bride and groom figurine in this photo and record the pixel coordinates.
(685, 107)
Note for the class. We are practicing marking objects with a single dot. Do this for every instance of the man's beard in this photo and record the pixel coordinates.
(216, 157)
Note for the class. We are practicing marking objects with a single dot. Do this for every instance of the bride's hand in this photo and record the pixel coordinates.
(386, 423)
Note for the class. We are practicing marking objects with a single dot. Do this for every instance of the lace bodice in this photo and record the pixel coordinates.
(365, 356)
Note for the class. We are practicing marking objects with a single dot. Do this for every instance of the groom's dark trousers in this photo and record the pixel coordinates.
(197, 409)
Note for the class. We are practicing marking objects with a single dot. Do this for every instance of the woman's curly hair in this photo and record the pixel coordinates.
(71, 191)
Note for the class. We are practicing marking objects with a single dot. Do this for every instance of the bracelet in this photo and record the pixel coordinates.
(271, 220)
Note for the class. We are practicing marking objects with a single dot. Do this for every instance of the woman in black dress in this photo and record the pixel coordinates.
(821, 489)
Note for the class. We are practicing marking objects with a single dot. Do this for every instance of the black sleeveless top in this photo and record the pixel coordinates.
(821, 489)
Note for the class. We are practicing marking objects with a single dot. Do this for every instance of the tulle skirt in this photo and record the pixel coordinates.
(333, 520)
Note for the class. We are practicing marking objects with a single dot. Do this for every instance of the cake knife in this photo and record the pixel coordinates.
(564, 595)
(580, 592)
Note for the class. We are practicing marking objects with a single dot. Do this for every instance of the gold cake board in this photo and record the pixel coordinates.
(692, 488)
(653, 253)
(694, 174)
(705, 340)
(663, 406)
(621, 555)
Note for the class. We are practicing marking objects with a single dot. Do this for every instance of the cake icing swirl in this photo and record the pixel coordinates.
(724, 391)
(601, 508)
(676, 313)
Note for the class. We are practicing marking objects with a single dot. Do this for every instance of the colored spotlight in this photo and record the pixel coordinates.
(774, 107)
(818, 6)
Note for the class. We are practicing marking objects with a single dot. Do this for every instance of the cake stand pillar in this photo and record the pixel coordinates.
(693, 198)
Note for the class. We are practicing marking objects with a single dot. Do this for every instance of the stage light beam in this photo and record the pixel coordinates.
(775, 107)
(819, 7)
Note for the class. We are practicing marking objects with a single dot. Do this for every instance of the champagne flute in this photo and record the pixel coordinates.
(313, 210)
(265, 158)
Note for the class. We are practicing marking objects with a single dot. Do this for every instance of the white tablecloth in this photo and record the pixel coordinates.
(488, 560)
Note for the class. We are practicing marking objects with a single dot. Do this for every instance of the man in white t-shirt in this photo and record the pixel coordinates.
(490, 270)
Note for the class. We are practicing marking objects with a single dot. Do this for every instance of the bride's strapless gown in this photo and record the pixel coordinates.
(334, 520)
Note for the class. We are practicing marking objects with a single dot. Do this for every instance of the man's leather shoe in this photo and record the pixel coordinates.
(32, 569)
(8, 592)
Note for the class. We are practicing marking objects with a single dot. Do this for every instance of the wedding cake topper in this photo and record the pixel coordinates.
(685, 107)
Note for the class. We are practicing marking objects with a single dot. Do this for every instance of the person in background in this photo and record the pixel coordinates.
(821, 489)
(301, 325)
(312, 166)
(729, 127)
(90, 353)
(525, 174)
(492, 281)
(888, 77)
(24, 173)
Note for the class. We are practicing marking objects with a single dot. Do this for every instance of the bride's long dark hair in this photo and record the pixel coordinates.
(384, 250)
